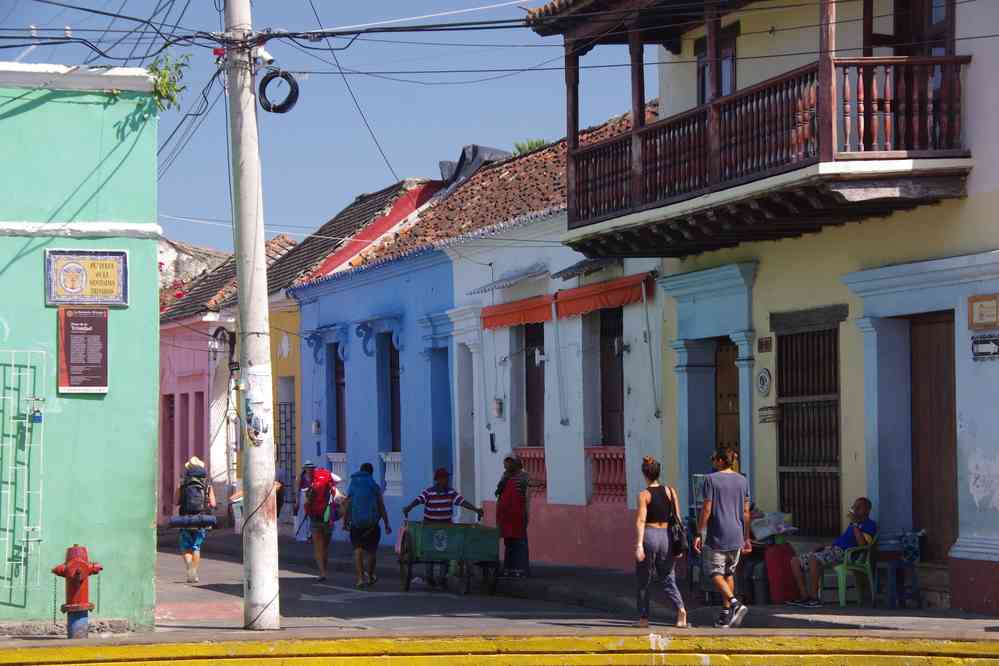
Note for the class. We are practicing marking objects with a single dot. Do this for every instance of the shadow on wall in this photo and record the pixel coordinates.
(130, 125)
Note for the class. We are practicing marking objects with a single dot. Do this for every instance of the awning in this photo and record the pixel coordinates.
(516, 313)
(613, 294)
(585, 267)
(512, 278)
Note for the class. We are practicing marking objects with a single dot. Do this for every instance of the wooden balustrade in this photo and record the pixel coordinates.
(769, 126)
(533, 458)
(607, 472)
(883, 108)
(603, 177)
(898, 105)
(674, 161)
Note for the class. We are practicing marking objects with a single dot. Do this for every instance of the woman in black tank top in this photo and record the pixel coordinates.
(657, 508)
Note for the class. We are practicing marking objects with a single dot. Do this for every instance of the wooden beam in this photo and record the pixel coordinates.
(826, 115)
(572, 125)
(713, 25)
(868, 44)
(636, 51)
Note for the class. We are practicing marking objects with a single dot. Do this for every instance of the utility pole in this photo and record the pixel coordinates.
(261, 604)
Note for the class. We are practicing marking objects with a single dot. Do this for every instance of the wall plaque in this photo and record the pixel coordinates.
(985, 347)
(83, 350)
(86, 277)
(983, 312)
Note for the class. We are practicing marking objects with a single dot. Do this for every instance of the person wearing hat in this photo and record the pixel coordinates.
(438, 503)
(513, 503)
(302, 532)
(194, 496)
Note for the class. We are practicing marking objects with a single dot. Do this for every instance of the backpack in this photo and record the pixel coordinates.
(194, 493)
(363, 493)
(318, 494)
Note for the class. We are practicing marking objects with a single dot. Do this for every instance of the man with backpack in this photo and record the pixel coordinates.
(321, 504)
(194, 497)
(362, 511)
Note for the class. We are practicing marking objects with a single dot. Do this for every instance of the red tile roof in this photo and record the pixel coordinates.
(554, 8)
(207, 292)
(499, 195)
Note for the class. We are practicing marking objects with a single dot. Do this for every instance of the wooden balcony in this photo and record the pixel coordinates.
(776, 160)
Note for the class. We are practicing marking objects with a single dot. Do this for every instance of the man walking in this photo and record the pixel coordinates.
(513, 504)
(194, 497)
(723, 532)
(438, 503)
(362, 510)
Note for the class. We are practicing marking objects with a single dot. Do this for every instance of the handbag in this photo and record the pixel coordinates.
(677, 530)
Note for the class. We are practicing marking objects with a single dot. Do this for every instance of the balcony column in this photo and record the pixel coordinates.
(571, 124)
(826, 112)
(637, 51)
(712, 24)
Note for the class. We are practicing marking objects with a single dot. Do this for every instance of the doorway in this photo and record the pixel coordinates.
(726, 394)
(934, 432)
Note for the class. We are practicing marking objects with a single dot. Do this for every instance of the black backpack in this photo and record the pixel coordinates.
(194, 493)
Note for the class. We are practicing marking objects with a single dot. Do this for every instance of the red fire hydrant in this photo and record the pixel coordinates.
(77, 570)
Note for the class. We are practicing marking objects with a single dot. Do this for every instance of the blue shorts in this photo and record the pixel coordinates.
(192, 539)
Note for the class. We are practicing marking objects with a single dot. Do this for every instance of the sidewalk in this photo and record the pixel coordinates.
(613, 592)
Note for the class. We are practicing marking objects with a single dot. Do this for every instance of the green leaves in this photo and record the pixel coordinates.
(168, 72)
(521, 147)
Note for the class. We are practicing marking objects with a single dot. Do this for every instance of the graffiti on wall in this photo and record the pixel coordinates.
(983, 479)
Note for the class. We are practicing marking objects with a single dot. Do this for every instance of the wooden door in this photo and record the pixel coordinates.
(534, 384)
(934, 432)
(612, 377)
(726, 395)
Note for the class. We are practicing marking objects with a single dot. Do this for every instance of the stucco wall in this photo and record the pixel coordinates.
(80, 157)
(410, 289)
(502, 358)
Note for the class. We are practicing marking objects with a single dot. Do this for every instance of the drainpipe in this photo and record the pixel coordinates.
(564, 419)
(648, 343)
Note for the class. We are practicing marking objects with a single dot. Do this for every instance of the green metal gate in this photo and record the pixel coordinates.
(22, 377)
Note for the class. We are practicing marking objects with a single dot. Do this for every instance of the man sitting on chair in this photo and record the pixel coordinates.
(860, 532)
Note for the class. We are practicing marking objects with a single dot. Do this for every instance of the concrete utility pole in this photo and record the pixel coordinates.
(261, 606)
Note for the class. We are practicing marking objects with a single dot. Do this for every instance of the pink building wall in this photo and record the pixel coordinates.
(185, 392)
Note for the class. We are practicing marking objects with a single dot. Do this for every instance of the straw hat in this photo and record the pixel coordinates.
(195, 461)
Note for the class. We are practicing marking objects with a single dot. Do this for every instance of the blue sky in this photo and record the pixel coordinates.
(319, 157)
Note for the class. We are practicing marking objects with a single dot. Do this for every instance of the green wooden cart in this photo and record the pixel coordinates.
(469, 546)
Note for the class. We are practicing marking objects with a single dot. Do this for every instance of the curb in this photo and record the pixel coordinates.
(614, 649)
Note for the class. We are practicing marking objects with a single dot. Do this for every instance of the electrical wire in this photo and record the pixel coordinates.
(115, 15)
(172, 158)
(357, 104)
(191, 113)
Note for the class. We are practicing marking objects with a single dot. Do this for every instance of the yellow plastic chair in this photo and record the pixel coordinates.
(859, 559)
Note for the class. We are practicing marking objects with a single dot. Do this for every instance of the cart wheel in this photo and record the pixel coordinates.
(406, 563)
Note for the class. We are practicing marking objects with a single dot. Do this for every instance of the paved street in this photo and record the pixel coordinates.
(217, 603)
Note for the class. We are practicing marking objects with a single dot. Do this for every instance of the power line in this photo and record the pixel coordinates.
(191, 113)
(357, 104)
(114, 15)
(189, 134)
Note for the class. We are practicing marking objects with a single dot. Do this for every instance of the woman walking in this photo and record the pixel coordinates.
(658, 508)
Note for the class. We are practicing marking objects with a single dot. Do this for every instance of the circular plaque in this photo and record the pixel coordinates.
(763, 382)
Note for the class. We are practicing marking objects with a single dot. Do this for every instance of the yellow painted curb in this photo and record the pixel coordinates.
(573, 650)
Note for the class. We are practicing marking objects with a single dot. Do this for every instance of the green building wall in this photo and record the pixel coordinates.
(84, 159)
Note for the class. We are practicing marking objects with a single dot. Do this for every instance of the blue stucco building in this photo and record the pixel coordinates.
(376, 368)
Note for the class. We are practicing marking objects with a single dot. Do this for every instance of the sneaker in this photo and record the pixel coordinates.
(191, 576)
(738, 614)
(813, 603)
(800, 603)
(723, 619)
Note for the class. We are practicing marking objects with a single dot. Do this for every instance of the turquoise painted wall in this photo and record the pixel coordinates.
(80, 157)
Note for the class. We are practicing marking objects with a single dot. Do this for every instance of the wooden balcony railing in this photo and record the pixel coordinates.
(607, 473)
(882, 108)
(533, 458)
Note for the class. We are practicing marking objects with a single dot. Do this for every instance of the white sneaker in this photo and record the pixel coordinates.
(192, 576)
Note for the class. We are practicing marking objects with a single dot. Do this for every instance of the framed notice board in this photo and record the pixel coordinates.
(83, 350)
(86, 277)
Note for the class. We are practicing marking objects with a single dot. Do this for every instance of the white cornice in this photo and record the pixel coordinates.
(97, 229)
(924, 274)
(79, 77)
(711, 282)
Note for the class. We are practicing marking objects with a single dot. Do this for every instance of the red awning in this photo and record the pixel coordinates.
(613, 294)
(516, 313)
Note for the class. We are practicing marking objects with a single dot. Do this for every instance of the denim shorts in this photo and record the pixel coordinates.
(720, 562)
(192, 539)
